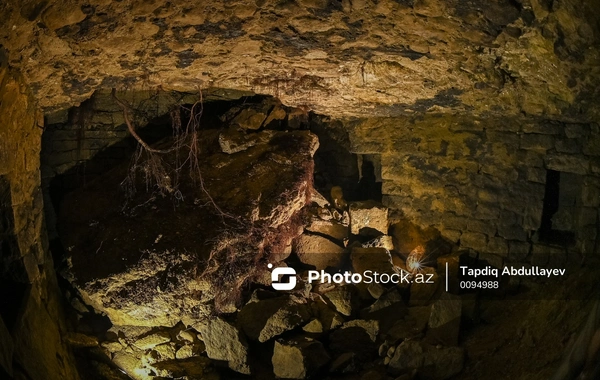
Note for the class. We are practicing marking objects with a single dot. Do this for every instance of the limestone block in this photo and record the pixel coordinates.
(249, 119)
(536, 142)
(571, 146)
(568, 163)
(343, 299)
(269, 318)
(331, 228)
(150, 341)
(233, 140)
(185, 352)
(314, 327)
(368, 217)
(474, 240)
(319, 252)
(224, 342)
(298, 359)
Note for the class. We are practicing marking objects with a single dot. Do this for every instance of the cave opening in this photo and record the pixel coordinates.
(560, 206)
(273, 197)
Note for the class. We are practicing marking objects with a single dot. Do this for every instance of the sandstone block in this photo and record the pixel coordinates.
(330, 228)
(298, 359)
(150, 341)
(319, 252)
(268, 318)
(474, 240)
(249, 119)
(224, 342)
(368, 218)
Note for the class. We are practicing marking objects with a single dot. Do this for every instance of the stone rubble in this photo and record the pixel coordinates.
(377, 330)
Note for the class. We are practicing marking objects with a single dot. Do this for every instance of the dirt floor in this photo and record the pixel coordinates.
(526, 335)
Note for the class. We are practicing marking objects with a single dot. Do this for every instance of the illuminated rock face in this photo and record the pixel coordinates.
(155, 262)
(339, 58)
(32, 328)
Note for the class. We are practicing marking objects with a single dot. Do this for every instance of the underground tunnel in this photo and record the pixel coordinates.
(299, 189)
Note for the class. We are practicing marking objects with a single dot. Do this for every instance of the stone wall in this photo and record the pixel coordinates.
(31, 342)
(482, 182)
(79, 134)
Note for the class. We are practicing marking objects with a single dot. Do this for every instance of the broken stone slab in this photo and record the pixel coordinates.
(131, 365)
(81, 340)
(185, 352)
(150, 341)
(343, 299)
(357, 336)
(318, 199)
(368, 218)
(444, 321)
(329, 318)
(224, 342)
(249, 118)
(331, 228)
(165, 352)
(187, 335)
(190, 368)
(314, 327)
(319, 252)
(269, 318)
(275, 118)
(234, 140)
(112, 347)
(298, 359)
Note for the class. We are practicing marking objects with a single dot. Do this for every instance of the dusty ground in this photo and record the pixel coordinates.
(526, 335)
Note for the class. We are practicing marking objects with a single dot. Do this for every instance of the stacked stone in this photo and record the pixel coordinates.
(482, 183)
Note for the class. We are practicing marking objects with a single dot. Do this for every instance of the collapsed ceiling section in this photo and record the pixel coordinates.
(340, 58)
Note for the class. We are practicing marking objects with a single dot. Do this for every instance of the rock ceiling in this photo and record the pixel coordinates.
(337, 57)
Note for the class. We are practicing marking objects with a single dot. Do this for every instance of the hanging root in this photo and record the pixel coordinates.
(156, 171)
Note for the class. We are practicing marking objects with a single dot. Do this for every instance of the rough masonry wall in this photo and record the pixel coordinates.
(482, 182)
(34, 347)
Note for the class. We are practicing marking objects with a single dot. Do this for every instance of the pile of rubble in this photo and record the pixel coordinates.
(374, 331)
(143, 266)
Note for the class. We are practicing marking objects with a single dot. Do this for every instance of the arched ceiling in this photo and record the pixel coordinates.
(337, 57)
